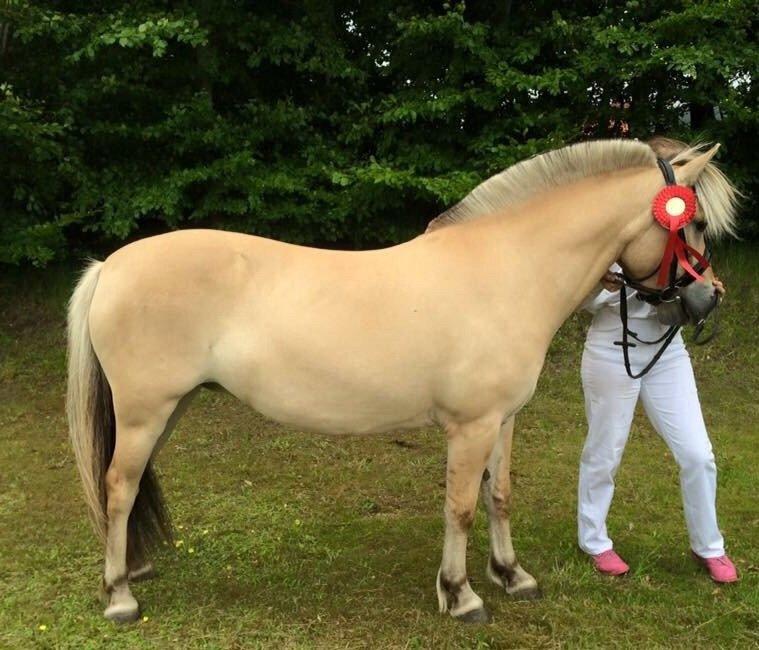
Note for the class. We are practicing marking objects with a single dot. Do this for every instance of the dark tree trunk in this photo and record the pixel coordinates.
(700, 115)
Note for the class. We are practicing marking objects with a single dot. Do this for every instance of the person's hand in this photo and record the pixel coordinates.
(611, 282)
(719, 286)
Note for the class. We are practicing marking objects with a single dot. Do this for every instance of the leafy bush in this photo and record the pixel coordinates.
(336, 123)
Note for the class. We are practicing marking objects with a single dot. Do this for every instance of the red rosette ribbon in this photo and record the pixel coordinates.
(674, 208)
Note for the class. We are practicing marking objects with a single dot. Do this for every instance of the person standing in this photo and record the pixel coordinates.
(669, 396)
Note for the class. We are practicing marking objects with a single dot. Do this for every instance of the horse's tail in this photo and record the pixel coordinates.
(92, 429)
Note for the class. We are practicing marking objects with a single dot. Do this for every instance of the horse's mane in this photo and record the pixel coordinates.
(516, 184)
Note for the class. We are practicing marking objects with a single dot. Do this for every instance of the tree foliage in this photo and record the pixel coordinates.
(330, 122)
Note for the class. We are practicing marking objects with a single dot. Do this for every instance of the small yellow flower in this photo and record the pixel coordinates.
(42, 627)
(205, 531)
(179, 543)
(145, 619)
(191, 550)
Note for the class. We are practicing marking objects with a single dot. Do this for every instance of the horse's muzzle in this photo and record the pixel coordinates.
(672, 312)
(690, 305)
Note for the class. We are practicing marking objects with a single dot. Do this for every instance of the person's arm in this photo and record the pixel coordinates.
(605, 290)
(592, 302)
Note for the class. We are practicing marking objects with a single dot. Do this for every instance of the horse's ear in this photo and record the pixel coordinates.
(688, 173)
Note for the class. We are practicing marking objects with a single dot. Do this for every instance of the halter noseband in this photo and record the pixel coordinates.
(673, 208)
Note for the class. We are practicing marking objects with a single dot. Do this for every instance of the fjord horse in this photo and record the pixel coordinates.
(450, 328)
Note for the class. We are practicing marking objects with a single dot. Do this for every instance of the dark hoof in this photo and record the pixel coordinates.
(122, 616)
(529, 593)
(480, 615)
(125, 609)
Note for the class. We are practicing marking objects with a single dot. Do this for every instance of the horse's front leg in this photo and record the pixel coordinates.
(503, 568)
(469, 447)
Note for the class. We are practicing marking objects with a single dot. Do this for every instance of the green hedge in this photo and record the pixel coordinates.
(336, 123)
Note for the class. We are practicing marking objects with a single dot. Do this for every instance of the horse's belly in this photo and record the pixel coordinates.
(327, 374)
(336, 366)
(318, 403)
(343, 421)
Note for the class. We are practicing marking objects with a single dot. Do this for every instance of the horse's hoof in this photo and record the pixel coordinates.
(528, 593)
(122, 612)
(145, 572)
(480, 615)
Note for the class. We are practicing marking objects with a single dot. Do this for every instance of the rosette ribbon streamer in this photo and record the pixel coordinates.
(674, 208)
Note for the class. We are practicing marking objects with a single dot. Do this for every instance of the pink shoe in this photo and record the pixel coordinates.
(610, 564)
(720, 569)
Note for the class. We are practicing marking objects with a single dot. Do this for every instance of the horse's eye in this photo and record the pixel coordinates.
(700, 225)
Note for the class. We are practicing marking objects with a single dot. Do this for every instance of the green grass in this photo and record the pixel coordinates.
(298, 540)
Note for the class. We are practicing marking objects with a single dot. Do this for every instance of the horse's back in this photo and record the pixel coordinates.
(325, 329)
(327, 340)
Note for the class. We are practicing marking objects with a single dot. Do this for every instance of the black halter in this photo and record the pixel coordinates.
(658, 296)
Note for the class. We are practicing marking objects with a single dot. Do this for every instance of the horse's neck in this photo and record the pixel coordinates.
(574, 234)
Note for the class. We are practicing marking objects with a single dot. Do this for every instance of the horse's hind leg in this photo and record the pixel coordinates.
(136, 438)
(469, 448)
(144, 570)
(503, 568)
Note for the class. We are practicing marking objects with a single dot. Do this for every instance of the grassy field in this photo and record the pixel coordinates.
(287, 539)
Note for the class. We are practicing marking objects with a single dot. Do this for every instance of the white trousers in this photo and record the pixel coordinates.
(670, 399)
